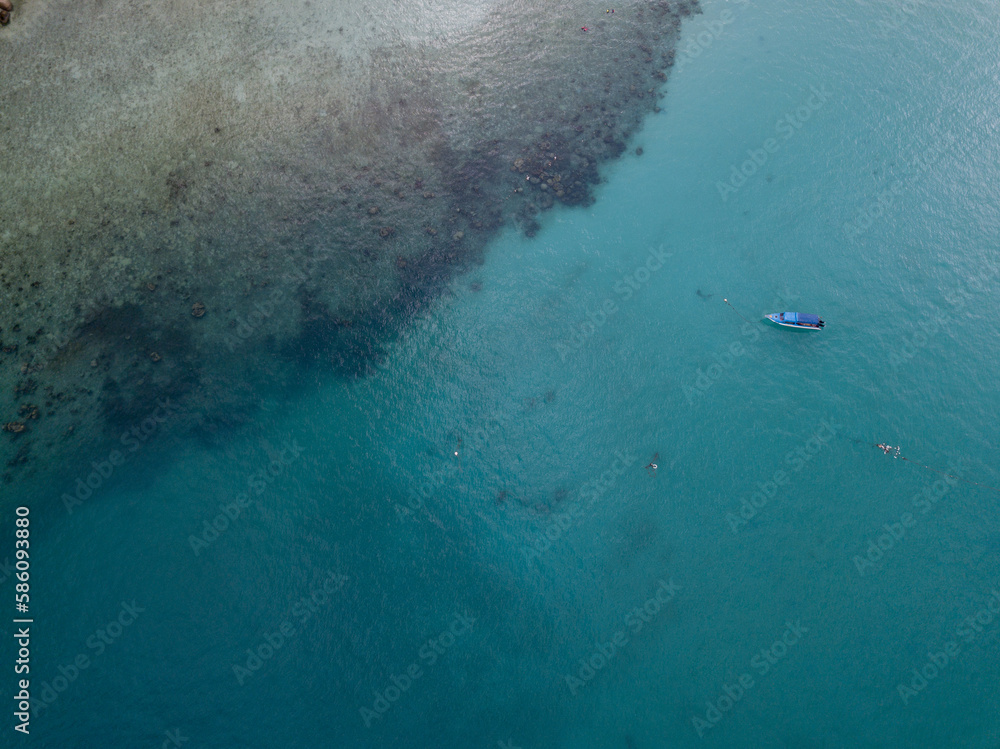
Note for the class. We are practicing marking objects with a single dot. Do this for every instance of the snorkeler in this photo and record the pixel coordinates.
(651, 468)
(888, 448)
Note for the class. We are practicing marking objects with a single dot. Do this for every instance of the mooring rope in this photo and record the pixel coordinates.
(735, 310)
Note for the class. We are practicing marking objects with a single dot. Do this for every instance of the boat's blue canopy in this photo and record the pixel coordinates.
(809, 319)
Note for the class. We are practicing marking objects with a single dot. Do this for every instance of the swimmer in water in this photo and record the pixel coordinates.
(651, 468)
(584, 28)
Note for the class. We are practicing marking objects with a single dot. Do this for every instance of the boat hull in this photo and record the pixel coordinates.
(777, 319)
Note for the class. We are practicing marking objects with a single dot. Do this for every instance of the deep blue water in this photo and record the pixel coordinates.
(479, 512)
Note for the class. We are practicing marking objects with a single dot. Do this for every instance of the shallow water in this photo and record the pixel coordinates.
(490, 466)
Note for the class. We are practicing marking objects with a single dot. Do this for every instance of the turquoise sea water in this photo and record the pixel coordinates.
(474, 520)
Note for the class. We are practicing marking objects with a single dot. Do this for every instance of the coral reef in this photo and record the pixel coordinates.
(315, 195)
